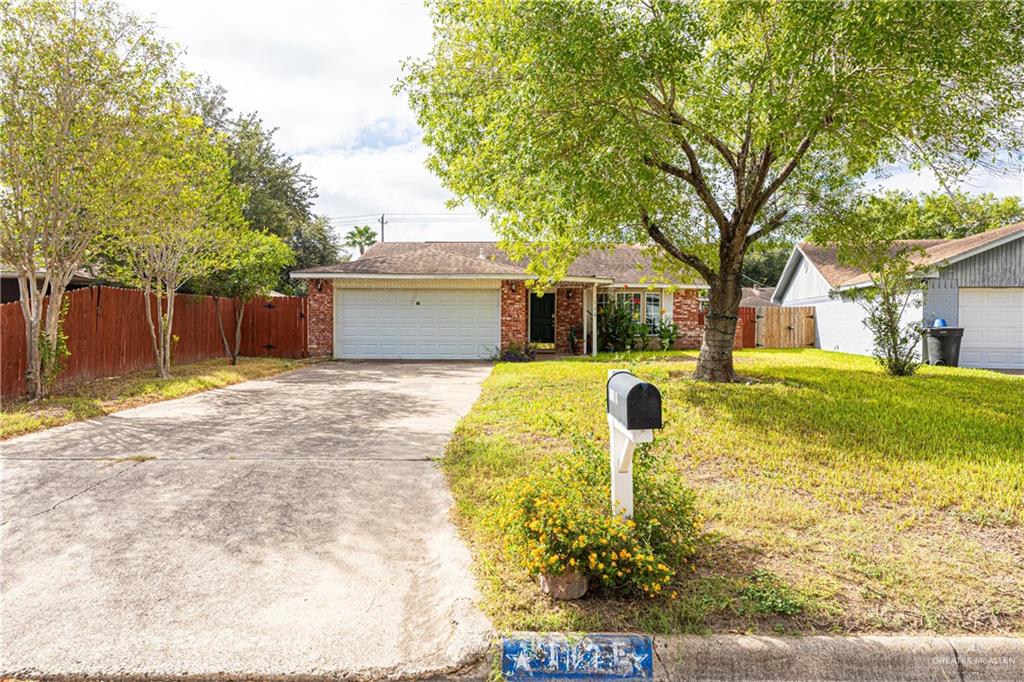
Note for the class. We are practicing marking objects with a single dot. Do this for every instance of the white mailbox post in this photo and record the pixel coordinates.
(634, 411)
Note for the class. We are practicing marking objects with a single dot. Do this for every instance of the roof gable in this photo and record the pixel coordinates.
(926, 253)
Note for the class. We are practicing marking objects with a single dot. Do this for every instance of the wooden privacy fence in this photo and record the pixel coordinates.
(107, 333)
(745, 334)
(770, 327)
(785, 327)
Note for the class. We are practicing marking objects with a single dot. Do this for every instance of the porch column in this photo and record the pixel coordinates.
(593, 343)
(583, 303)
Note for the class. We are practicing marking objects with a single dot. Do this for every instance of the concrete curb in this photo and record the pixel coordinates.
(722, 658)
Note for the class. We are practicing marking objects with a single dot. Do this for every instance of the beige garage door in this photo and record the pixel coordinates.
(416, 324)
(993, 322)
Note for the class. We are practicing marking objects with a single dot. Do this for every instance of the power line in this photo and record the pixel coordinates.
(438, 214)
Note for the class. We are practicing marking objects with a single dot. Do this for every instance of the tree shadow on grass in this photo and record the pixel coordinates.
(924, 417)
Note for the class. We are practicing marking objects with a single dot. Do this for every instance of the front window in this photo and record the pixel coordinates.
(645, 306)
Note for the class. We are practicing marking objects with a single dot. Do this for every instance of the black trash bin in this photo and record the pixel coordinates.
(943, 345)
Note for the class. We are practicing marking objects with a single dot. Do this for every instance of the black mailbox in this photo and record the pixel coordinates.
(636, 404)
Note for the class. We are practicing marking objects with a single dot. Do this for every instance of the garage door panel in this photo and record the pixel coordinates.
(993, 322)
(416, 324)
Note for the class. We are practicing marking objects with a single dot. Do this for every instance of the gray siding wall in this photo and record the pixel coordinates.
(1002, 266)
(942, 299)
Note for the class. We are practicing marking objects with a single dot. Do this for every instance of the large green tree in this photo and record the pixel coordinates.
(279, 195)
(77, 78)
(701, 128)
(315, 243)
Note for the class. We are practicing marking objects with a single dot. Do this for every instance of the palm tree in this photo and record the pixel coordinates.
(360, 237)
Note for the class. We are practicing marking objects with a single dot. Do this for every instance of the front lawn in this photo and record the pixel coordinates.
(835, 498)
(103, 396)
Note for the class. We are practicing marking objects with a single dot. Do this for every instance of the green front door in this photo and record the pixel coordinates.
(542, 318)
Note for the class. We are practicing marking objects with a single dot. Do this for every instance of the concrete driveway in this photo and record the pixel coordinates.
(293, 526)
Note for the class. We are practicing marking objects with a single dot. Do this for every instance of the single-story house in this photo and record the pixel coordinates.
(464, 300)
(976, 282)
(10, 289)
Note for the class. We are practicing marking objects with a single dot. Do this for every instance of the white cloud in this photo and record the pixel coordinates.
(925, 181)
(323, 74)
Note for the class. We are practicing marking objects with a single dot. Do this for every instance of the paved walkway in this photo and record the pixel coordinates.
(291, 526)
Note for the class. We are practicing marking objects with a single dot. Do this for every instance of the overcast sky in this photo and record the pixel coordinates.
(323, 73)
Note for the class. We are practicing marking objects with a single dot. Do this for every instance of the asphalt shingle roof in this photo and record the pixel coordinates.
(935, 251)
(623, 264)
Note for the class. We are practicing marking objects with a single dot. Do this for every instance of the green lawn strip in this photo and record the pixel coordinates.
(103, 396)
(836, 498)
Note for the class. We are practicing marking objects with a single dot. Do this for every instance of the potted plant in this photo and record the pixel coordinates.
(575, 338)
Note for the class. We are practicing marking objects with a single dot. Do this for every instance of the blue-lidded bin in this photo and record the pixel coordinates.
(943, 345)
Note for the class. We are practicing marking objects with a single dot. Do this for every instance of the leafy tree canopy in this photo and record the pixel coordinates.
(314, 243)
(942, 215)
(763, 265)
(279, 196)
(703, 127)
(76, 80)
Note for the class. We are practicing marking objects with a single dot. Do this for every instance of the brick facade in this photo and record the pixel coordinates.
(686, 315)
(513, 313)
(568, 314)
(320, 325)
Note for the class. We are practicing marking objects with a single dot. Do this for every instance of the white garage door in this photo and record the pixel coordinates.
(993, 322)
(416, 324)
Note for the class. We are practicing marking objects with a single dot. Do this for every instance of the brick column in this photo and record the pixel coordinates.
(320, 325)
(685, 306)
(568, 314)
(513, 312)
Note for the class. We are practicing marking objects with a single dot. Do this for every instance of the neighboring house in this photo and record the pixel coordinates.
(463, 300)
(10, 291)
(758, 297)
(976, 283)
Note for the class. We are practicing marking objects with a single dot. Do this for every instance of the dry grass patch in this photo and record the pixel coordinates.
(835, 498)
(103, 396)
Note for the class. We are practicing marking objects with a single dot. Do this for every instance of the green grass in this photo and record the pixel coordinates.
(835, 498)
(104, 396)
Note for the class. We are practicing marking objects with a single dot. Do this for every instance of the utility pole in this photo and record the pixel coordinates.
(382, 224)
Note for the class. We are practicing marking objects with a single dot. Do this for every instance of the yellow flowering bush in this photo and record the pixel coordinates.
(559, 520)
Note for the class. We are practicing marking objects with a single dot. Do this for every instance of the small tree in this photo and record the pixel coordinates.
(180, 220)
(360, 237)
(868, 236)
(250, 265)
(896, 344)
(75, 78)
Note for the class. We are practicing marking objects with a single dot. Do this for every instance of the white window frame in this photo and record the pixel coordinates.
(643, 308)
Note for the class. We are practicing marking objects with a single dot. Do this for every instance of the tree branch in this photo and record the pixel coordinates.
(700, 186)
(772, 224)
(675, 118)
(662, 240)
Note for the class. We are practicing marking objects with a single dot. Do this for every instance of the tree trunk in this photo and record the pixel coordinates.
(156, 329)
(31, 309)
(169, 331)
(715, 361)
(220, 327)
(52, 331)
(239, 313)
